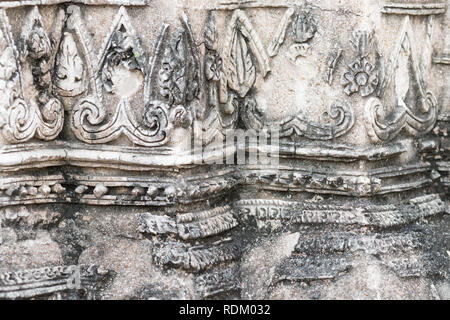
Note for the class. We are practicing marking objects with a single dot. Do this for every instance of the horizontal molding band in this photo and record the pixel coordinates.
(186, 187)
(417, 9)
(39, 155)
(21, 3)
(42, 155)
(333, 152)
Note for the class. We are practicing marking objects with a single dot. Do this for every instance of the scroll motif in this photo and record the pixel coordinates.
(178, 77)
(122, 66)
(340, 111)
(415, 108)
(20, 121)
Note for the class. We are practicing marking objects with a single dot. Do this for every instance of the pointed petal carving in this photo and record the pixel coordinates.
(20, 121)
(340, 111)
(122, 49)
(417, 114)
(241, 38)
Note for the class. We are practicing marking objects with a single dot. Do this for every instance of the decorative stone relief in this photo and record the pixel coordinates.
(20, 121)
(122, 57)
(163, 169)
(43, 282)
(304, 27)
(383, 124)
(341, 112)
(361, 75)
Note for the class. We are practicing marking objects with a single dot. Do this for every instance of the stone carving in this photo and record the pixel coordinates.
(179, 78)
(123, 61)
(280, 35)
(122, 188)
(239, 66)
(20, 121)
(37, 49)
(100, 190)
(216, 116)
(240, 73)
(175, 254)
(420, 118)
(122, 53)
(50, 280)
(361, 75)
(444, 56)
(419, 265)
(340, 152)
(241, 70)
(315, 182)
(304, 26)
(332, 62)
(307, 269)
(341, 242)
(70, 70)
(218, 281)
(19, 3)
(241, 45)
(383, 216)
(414, 9)
(327, 257)
(213, 62)
(340, 111)
(74, 61)
(190, 225)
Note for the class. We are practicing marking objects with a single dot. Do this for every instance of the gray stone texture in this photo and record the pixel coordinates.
(110, 181)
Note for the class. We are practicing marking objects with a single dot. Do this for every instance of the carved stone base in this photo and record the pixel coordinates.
(224, 149)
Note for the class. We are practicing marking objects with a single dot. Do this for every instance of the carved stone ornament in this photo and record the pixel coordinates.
(21, 121)
(224, 150)
(361, 75)
(122, 67)
(415, 107)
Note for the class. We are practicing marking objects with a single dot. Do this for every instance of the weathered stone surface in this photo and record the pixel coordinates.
(268, 149)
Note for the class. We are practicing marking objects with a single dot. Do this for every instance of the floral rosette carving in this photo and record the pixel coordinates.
(361, 77)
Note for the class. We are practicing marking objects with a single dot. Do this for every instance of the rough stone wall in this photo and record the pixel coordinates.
(114, 184)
